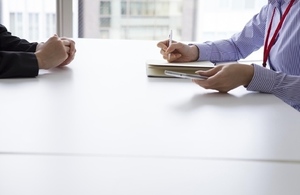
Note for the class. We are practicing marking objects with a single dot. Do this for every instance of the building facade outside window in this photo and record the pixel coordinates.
(190, 20)
(34, 20)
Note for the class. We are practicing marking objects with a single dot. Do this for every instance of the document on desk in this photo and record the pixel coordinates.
(156, 68)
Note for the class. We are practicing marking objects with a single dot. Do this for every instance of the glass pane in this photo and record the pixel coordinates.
(34, 20)
(194, 20)
(16, 21)
(152, 19)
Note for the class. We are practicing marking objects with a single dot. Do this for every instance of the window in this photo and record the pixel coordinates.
(30, 19)
(104, 34)
(123, 8)
(105, 8)
(104, 22)
(194, 20)
(144, 32)
(33, 21)
(191, 20)
(51, 21)
(249, 4)
(16, 23)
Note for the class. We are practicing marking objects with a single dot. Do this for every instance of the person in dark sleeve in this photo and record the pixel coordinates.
(20, 58)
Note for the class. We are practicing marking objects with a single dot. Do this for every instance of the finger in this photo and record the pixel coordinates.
(163, 53)
(204, 73)
(67, 49)
(165, 56)
(209, 72)
(72, 48)
(173, 47)
(210, 83)
(173, 57)
(66, 42)
(54, 37)
(201, 83)
(168, 53)
(67, 61)
(69, 43)
(163, 44)
(215, 83)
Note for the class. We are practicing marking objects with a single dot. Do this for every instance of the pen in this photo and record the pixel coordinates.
(170, 42)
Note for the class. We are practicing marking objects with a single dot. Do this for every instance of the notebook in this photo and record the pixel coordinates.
(156, 68)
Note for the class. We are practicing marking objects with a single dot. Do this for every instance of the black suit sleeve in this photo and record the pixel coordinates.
(17, 58)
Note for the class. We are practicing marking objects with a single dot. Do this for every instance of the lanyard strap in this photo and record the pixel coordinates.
(267, 48)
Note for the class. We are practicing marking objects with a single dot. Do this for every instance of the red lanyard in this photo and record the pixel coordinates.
(267, 47)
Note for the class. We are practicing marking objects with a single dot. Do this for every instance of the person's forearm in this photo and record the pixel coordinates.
(14, 43)
(285, 87)
(18, 64)
(218, 51)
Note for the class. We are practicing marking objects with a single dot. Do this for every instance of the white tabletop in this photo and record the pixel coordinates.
(94, 175)
(103, 103)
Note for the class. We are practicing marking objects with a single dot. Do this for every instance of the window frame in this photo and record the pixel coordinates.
(64, 19)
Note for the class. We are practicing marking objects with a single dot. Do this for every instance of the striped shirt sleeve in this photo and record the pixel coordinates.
(282, 85)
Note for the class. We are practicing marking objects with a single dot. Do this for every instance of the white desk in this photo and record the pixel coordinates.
(103, 103)
(72, 175)
(102, 127)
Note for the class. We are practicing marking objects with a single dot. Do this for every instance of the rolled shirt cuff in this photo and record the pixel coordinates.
(263, 80)
(205, 52)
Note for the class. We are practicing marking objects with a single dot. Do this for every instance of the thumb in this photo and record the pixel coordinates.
(55, 36)
(171, 48)
(209, 72)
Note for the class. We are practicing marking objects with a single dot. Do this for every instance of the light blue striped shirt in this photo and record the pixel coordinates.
(283, 77)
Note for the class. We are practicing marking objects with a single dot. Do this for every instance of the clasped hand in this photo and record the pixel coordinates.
(222, 78)
(55, 52)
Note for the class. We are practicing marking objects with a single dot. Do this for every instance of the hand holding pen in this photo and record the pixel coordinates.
(174, 51)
